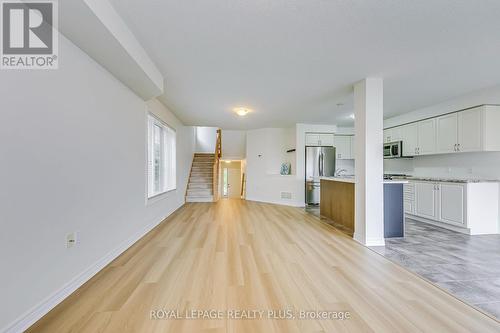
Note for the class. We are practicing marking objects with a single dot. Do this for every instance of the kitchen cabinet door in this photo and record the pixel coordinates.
(409, 207)
(426, 137)
(425, 200)
(447, 133)
(353, 148)
(451, 198)
(312, 139)
(388, 135)
(326, 140)
(409, 136)
(396, 134)
(343, 145)
(470, 130)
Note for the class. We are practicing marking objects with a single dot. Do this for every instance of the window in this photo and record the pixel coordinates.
(161, 157)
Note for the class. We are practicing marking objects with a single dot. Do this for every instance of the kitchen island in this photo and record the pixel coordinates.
(337, 204)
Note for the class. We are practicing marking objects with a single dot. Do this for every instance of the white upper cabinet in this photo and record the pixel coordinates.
(409, 136)
(353, 148)
(387, 135)
(426, 137)
(319, 139)
(469, 128)
(447, 133)
(312, 139)
(392, 134)
(343, 146)
(326, 140)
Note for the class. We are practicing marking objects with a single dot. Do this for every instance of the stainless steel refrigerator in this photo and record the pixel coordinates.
(320, 161)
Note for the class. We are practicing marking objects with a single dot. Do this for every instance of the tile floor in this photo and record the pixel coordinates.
(467, 266)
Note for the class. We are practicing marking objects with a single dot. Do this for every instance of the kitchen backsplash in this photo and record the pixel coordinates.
(465, 165)
(347, 165)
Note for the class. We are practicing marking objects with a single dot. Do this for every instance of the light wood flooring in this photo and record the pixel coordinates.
(251, 256)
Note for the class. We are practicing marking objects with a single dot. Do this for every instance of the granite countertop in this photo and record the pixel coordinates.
(450, 180)
(353, 180)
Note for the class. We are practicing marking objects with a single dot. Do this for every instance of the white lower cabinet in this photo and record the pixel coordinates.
(409, 198)
(470, 208)
(425, 200)
(451, 203)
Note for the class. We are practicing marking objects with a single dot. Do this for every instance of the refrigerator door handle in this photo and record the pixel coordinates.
(321, 164)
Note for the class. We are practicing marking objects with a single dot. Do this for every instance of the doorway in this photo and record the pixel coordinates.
(231, 179)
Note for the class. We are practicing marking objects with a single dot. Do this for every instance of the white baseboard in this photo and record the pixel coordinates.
(32, 316)
(439, 224)
(368, 241)
(277, 202)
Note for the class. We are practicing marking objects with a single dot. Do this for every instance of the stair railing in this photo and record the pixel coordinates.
(217, 156)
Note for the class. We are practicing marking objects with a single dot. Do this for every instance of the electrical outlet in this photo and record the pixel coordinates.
(71, 239)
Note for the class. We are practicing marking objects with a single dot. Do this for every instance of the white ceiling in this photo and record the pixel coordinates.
(294, 61)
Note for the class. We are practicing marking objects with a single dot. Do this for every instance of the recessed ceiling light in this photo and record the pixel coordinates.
(241, 111)
(227, 162)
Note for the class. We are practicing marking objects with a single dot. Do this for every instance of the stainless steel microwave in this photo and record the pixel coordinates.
(393, 149)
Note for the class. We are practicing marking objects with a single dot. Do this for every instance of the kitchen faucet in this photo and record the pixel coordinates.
(339, 172)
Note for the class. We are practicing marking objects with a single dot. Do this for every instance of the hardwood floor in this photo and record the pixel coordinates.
(252, 256)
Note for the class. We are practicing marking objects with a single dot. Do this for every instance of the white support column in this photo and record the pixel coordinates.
(369, 163)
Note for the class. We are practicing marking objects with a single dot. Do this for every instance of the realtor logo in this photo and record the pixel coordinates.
(29, 34)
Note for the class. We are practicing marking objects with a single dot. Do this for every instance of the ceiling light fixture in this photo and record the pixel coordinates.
(352, 116)
(241, 111)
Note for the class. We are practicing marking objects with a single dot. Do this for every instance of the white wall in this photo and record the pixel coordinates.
(73, 158)
(485, 96)
(234, 144)
(266, 150)
(205, 139)
(480, 165)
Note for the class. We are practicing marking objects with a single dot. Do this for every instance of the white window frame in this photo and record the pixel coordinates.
(167, 175)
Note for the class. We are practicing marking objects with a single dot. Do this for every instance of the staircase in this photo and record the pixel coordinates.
(201, 179)
(204, 178)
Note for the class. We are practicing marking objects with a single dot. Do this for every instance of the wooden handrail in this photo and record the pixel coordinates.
(217, 155)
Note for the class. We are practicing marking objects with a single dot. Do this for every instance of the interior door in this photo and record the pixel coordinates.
(233, 183)
(469, 130)
(447, 133)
